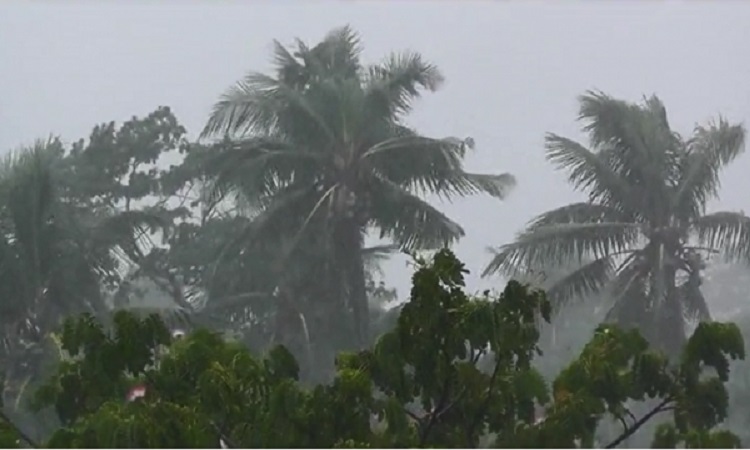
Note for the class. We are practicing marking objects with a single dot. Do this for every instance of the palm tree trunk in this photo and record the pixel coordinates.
(349, 243)
(670, 322)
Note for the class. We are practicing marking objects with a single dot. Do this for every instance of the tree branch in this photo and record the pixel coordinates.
(661, 407)
(441, 405)
(483, 407)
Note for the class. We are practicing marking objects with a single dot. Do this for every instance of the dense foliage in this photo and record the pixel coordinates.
(419, 386)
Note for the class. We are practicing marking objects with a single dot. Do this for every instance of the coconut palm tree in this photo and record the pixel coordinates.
(644, 233)
(324, 142)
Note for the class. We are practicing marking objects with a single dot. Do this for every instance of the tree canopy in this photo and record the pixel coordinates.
(418, 386)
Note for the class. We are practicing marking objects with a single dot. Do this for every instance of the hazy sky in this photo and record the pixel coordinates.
(513, 72)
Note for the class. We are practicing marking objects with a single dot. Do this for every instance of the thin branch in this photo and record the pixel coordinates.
(450, 405)
(441, 405)
(629, 431)
(413, 416)
(485, 404)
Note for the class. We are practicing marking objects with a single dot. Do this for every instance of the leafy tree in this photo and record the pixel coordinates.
(418, 386)
(322, 149)
(114, 174)
(643, 233)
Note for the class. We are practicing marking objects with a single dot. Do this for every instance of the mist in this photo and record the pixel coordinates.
(514, 71)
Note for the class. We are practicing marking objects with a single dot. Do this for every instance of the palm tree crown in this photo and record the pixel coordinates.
(644, 232)
(324, 142)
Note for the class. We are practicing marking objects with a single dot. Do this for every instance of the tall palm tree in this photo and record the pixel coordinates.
(324, 141)
(643, 233)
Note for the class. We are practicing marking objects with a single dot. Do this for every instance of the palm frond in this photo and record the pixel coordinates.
(591, 278)
(710, 149)
(410, 221)
(394, 85)
(577, 213)
(258, 103)
(589, 172)
(249, 106)
(728, 232)
(258, 166)
(465, 183)
(640, 144)
(289, 69)
(559, 244)
(611, 121)
(336, 56)
(427, 165)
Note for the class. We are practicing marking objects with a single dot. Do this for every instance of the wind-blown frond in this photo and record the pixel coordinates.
(289, 69)
(393, 86)
(710, 149)
(611, 121)
(428, 165)
(640, 145)
(562, 243)
(465, 183)
(259, 166)
(336, 56)
(589, 172)
(588, 279)
(410, 221)
(577, 213)
(257, 104)
(728, 232)
(248, 106)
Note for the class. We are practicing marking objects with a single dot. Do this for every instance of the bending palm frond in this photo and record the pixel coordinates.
(577, 213)
(726, 231)
(561, 243)
(428, 165)
(589, 172)
(410, 221)
(589, 279)
(259, 166)
(259, 104)
(393, 86)
(710, 149)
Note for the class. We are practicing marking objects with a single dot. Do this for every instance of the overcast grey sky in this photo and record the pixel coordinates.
(513, 72)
